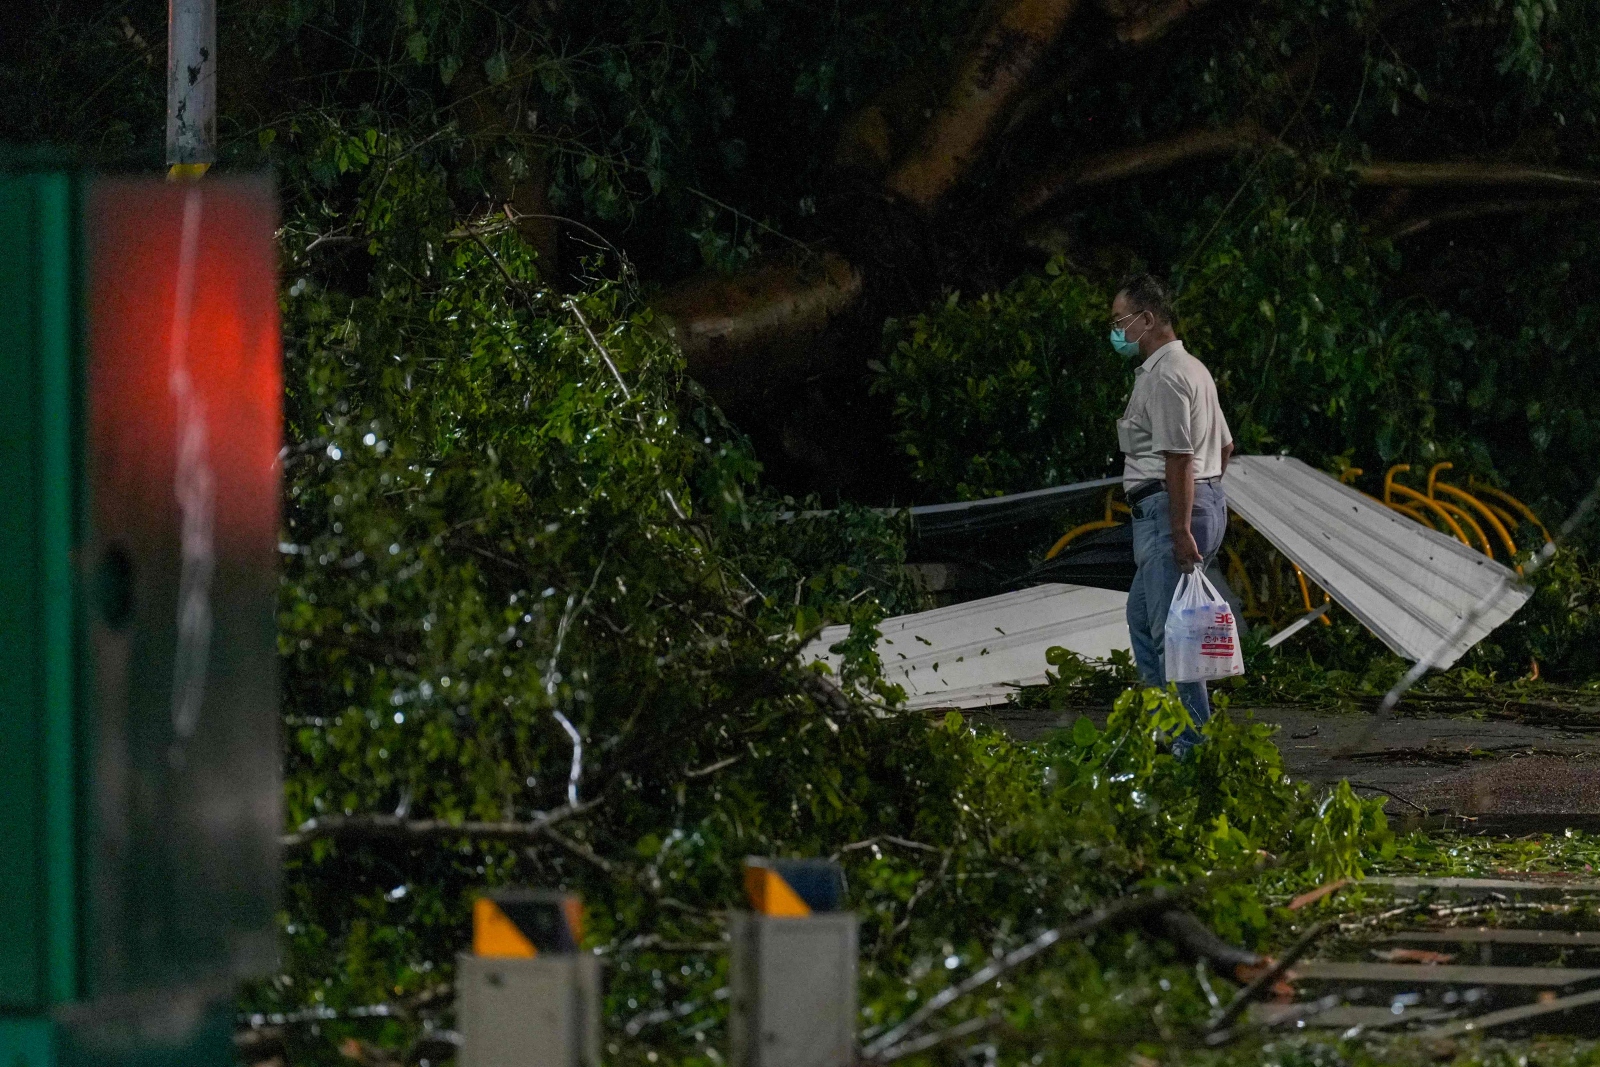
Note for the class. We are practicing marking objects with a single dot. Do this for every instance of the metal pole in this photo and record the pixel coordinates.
(191, 86)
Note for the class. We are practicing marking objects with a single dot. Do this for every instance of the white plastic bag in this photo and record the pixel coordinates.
(1202, 634)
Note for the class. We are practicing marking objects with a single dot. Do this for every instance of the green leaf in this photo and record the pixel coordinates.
(1084, 733)
(497, 68)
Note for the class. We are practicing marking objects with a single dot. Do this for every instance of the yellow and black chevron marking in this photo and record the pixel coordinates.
(793, 888)
(526, 923)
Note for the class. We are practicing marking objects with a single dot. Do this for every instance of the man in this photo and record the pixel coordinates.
(1176, 444)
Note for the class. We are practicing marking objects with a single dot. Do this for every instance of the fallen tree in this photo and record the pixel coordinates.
(540, 626)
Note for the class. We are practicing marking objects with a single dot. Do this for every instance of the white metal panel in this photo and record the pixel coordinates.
(975, 654)
(1406, 583)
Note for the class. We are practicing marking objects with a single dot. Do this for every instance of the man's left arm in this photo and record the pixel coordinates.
(1180, 505)
(1172, 405)
(1227, 454)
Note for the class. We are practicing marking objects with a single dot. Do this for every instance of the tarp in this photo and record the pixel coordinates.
(1408, 584)
(975, 654)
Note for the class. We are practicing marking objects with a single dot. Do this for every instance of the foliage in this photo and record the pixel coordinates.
(1309, 356)
(485, 491)
(1008, 391)
(1462, 855)
(1019, 390)
(1233, 795)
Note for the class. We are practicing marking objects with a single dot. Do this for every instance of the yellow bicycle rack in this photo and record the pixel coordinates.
(1456, 514)
(1305, 593)
(1524, 510)
(1113, 506)
(1390, 487)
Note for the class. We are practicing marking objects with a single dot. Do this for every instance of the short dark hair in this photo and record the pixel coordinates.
(1146, 292)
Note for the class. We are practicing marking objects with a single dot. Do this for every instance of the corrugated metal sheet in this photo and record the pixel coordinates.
(975, 654)
(1409, 585)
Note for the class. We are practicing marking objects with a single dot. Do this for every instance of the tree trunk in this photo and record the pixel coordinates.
(881, 132)
(987, 83)
(1410, 227)
(1041, 188)
(742, 332)
(1136, 27)
(1141, 23)
(492, 117)
(760, 318)
(1473, 174)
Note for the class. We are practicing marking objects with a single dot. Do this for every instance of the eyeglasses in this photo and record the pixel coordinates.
(1117, 322)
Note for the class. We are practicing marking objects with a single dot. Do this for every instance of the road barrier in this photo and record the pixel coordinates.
(527, 997)
(793, 968)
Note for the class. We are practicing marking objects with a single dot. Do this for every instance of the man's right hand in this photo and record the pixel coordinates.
(1185, 550)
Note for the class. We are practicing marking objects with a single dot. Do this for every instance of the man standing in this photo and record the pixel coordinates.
(1176, 443)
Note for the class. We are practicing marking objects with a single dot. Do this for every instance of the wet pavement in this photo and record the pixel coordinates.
(1433, 764)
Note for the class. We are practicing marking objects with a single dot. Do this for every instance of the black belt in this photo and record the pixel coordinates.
(1151, 488)
(1144, 489)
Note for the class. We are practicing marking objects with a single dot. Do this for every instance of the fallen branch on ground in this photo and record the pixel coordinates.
(1265, 980)
(1125, 908)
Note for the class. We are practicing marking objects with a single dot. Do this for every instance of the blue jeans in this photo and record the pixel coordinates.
(1154, 582)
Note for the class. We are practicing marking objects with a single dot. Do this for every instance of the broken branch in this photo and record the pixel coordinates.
(1268, 977)
(942, 1037)
(395, 826)
(1118, 910)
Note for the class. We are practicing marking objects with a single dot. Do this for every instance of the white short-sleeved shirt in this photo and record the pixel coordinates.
(1173, 408)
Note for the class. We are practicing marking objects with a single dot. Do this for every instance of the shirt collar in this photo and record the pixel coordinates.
(1159, 354)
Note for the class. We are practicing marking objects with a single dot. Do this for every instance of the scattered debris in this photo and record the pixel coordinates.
(1415, 987)
(1412, 955)
(975, 654)
(1408, 584)
(1319, 893)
